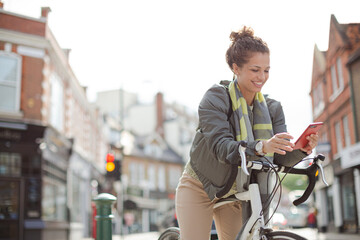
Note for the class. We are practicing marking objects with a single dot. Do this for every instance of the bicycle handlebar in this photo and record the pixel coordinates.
(264, 166)
(311, 174)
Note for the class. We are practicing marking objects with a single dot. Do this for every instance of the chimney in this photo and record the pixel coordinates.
(160, 114)
(1, 5)
(45, 12)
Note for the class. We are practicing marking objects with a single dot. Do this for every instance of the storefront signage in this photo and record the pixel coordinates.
(350, 156)
(10, 135)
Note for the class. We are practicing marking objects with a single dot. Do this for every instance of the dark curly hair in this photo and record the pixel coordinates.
(243, 45)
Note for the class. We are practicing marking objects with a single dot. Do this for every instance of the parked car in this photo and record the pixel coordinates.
(297, 216)
(279, 221)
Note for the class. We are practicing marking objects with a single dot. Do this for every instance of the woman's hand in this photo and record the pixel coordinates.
(279, 143)
(313, 141)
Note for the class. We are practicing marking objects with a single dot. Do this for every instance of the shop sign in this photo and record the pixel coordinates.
(350, 156)
(10, 135)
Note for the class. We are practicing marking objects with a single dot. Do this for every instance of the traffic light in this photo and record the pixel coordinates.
(113, 167)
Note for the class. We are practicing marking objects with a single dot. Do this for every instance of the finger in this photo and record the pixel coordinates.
(284, 135)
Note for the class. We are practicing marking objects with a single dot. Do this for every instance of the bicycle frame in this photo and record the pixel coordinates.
(256, 220)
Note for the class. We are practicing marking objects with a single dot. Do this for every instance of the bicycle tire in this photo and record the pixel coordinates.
(284, 235)
(171, 233)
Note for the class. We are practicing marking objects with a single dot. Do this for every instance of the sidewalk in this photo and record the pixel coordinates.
(135, 236)
(312, 234)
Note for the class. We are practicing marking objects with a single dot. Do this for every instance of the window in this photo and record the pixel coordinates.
(161, 179)
(337, 79)
(152, 177)
(318, 100)
(346, 131)
(334, 79)
(10, 164)
(339, 145)
(174, 176)
(57, 102)
(340, 73)
(10, 77)
(54, 200)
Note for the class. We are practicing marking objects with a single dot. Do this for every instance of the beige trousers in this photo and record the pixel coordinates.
(195, 213)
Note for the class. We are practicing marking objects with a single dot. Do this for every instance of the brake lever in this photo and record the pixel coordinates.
(322, 174)
(243, 159)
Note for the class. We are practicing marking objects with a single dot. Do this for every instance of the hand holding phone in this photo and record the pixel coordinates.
(313, 128)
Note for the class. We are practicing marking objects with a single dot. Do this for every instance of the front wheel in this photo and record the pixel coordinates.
(172, 233)
(283, 235)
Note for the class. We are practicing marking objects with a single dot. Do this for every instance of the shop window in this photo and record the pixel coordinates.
(9, 209)
(10, 164)
(54, 200)
(76, 199)
(330, 203)
(348, 197)
(10, 82)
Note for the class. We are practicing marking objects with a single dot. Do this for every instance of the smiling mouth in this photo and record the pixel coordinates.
(258, 84)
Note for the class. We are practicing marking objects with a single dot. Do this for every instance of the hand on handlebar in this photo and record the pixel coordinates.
(279, 143)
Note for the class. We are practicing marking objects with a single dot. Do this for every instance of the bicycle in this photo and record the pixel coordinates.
(256, 227)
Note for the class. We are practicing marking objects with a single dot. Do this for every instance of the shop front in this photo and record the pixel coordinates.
(33, 177)
(20, 178)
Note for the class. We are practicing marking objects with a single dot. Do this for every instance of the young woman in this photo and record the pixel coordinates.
(229, 113)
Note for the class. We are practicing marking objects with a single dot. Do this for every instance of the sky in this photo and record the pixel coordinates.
(178, 47)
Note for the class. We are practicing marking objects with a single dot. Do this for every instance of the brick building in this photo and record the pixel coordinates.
(51, 141)
(336, 102)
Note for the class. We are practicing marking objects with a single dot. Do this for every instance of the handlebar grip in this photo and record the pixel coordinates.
(312, 180)
(307, 192)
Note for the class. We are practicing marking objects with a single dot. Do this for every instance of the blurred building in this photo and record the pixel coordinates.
(52, 147)
(155, 142)
(336, 102)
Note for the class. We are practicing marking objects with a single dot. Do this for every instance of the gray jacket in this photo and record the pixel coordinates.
(214, 152)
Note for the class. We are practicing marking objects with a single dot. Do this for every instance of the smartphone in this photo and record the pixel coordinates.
(313, 128)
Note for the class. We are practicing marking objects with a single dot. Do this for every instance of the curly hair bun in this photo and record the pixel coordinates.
(244, 32)
(243, 44)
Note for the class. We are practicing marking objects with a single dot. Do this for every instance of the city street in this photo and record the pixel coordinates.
(310, 234)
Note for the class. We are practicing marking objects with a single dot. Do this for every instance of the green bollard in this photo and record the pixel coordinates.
(104, 217)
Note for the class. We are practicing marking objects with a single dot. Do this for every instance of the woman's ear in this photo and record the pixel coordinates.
(235, 69)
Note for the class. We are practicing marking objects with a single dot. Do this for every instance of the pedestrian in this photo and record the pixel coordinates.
(311, 219)
(229, 112)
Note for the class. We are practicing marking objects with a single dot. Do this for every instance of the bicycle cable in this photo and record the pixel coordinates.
(277, 185)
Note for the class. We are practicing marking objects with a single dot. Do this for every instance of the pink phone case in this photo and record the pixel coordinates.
(313, 128)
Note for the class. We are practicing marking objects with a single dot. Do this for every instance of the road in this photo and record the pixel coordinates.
(310, 234)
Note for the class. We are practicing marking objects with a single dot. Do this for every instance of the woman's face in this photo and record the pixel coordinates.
(253, 75)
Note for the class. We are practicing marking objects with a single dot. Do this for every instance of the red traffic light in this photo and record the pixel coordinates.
(110, 166)
(110, 157)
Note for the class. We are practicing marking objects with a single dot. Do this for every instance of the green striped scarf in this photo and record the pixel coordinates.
(261, 128)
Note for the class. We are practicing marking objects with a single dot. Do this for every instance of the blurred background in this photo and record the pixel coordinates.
(101, 97)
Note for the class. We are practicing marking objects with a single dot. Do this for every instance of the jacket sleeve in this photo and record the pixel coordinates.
(213, 122)
(278, 121)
